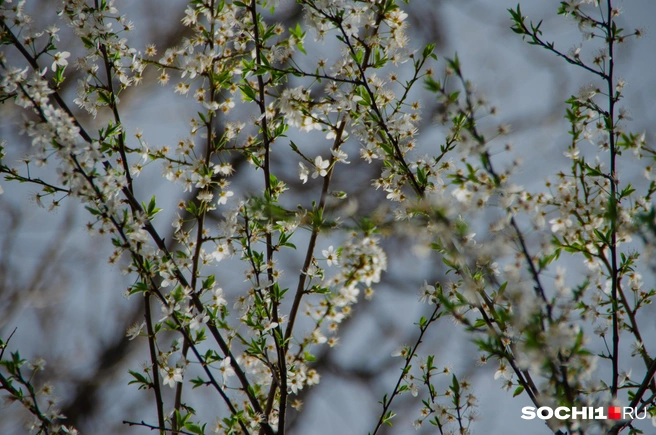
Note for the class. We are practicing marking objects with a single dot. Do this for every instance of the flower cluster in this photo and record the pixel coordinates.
(253, 342)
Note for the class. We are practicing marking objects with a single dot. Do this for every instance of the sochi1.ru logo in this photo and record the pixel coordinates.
(583, 413)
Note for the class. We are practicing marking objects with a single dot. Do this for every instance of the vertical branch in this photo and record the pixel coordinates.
(200, 218)
(114, 108)
(298, 296)
(278, 332)
(610, 125)
(177, 404)
(154, 365)
(385, 413)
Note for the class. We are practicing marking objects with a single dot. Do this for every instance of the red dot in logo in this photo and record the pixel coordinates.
(614, 413)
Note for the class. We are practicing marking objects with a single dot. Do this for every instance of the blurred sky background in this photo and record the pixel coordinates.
(66, 301)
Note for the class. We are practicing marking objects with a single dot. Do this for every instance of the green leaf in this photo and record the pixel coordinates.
(428, 50)
(198, 382)
(151, 209)
(139, 379)
(455, 385)
(247, 92)
(194, 428)
(432, 85)
(388, 418)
